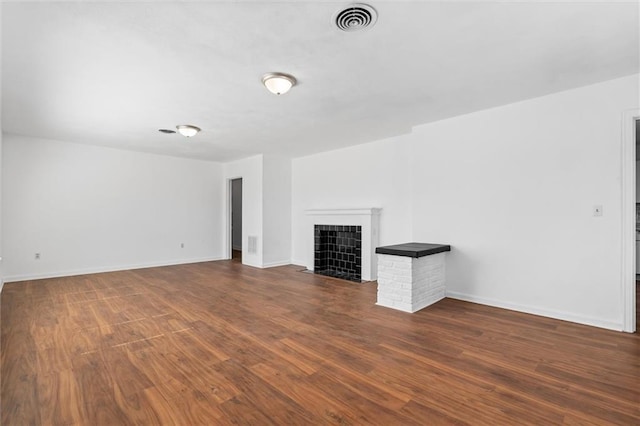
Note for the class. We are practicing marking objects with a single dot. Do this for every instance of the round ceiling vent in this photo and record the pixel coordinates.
(355, 17)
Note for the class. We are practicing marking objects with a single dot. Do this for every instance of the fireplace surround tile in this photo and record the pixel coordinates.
(345, 221)
(335, 251)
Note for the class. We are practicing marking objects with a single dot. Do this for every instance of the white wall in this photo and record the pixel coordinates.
(89, 209)
(277, 211)
(1, 262)
(510, 188)
(371, 175)
(2, 274)
(266, 208)
(250, 170)
(1, 235)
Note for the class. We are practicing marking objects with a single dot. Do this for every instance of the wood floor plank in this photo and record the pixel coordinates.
(93, 378)
(607, 382)
(364, 409)
(220, 343)
(322, 406)
(183, 409)
(55, 390)
(259, 401)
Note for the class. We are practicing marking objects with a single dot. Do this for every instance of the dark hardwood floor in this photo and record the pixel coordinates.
(219, 343)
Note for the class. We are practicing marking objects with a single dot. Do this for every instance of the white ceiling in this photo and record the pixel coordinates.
(113, 73)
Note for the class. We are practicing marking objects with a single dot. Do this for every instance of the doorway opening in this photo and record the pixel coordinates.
(236, 219)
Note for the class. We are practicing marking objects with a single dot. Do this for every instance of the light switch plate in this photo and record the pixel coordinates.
(597, 210)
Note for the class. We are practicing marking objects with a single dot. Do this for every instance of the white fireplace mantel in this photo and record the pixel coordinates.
(367, 218)
(344, 212)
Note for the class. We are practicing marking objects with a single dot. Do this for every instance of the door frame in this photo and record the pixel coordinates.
(628, 181)
(229, 233)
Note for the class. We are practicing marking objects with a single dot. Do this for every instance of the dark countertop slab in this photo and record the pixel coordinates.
(413, 249)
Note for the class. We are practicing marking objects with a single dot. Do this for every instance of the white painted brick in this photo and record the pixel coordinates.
(393, 297)
(402, 306)
(404, 293)
(409, 284)
(388, 286)
(402, 272)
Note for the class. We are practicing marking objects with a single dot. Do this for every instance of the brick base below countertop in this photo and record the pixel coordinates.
(410, 284)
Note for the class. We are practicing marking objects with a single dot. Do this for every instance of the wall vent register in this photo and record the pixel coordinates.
(355, 17)
(338, 251)
(252, 246)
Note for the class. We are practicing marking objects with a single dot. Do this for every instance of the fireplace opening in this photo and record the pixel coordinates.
(338, 251)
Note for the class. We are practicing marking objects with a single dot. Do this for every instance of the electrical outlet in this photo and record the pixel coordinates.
(37, 256)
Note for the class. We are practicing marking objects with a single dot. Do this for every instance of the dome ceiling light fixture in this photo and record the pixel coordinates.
(278, 83)
(187, 130)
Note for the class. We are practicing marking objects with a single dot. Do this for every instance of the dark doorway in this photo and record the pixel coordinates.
(236, 219)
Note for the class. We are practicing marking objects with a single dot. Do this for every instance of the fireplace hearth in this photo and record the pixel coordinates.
(338, 251)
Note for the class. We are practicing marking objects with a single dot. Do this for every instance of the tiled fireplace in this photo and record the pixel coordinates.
(338, 251)
(346, 227)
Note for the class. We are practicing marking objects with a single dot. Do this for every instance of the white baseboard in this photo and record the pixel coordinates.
(274, 264)
(97, 270)
(299, 262)
(565, 316)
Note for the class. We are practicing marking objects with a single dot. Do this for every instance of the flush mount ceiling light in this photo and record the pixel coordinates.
(278, 83)
(187, 130)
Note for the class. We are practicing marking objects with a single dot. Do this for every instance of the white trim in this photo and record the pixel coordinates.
(628, 221)
(228, 245)
(251, 263)
(298, 262)
(227, 231)
(72, 272)
(275, 264)
(368, 218)
(327, 212)
(565, 316)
